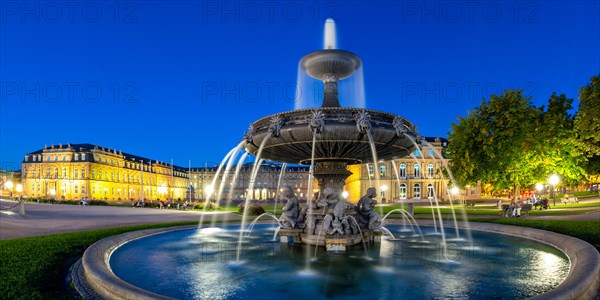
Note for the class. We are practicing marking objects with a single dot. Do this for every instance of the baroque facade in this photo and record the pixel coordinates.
(86, 171)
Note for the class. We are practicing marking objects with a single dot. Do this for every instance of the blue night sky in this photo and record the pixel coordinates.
(184, 79)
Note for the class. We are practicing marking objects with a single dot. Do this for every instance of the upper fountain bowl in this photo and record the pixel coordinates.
(341, 134)
(330, 61)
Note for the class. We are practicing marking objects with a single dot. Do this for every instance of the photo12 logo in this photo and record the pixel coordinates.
(68, 92)
(469, 12)
(71, 12)
(267, 11)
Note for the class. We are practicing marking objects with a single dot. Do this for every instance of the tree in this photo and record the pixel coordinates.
(496, 142)
(559, 151)
(509, 142)
(587, 123)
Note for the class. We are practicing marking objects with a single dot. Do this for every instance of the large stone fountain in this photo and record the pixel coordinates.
(331, 138)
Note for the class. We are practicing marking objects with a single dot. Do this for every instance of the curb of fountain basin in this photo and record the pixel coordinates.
(98, 274)
(582, 282)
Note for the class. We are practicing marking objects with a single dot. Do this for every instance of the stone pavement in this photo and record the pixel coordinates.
(43, 219)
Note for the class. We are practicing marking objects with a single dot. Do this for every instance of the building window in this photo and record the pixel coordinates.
(430, 170)
(64, 158)
(64, 172)
(382, 171)
(371, 170)
(76, 156)
(83, 189)
(100, 174)
(38, 172)
(417, 171)
(417, 153)
(76, 189)
(417, 191)
(55, 172)
(431, 153)
(82, 156)
(93, 190)
(48, 172)
(34, 158)
(39, 186)
(430, 191)
(75, 173)
(402, 191)
(402, 171)
(55, 157)
(82, 173)
(112, 176)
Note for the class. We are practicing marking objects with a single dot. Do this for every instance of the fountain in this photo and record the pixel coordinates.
(331, 137)
(232, 262)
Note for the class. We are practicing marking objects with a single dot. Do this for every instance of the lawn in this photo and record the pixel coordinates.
(588, 231)
(36, 267)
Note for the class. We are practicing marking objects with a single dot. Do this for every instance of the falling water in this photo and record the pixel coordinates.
(207, 200)
(235, 177)
(463, 213)
(309, 198)
(375, 166)
(385, 230)
(398, 182)
(226, 172)
(444, 245)
(352, 90)
(361, 234)
(329, 39)
(250, 190)
(410, 218)
(435, 225)
(283, 166)
(267, 214)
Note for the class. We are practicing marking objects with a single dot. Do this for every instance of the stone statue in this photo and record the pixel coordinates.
(335, 223)
(328, 198)
(363, 121)
(290, 214)
(316, 122)
(275, 126)
(367, 216)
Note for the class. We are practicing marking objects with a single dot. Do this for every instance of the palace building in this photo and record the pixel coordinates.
(86, 171)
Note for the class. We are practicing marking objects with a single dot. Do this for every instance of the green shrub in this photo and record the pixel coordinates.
(253, 210)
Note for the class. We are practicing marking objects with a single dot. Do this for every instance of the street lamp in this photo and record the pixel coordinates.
(9, 185)
(208, 190)
(455, 191)
(384, 188)
(345, 194)
(554, 180)
(19, 188)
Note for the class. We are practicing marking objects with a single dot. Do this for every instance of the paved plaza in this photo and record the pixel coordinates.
(42, 219)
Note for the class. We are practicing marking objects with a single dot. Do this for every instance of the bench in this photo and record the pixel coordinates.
(569, 199)
(470, 203)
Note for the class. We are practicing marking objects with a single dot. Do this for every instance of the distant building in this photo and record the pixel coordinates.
(86, 171)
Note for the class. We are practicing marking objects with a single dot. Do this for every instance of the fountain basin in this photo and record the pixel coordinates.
(338, 140)
(582, 280)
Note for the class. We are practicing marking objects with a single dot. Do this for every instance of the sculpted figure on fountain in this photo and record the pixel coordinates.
(367, 216)
(289, 217)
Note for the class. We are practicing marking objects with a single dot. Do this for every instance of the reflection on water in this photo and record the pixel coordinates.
(200, 264)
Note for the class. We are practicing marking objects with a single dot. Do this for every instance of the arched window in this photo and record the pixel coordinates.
(48, 172)
(402, 171)
(402, 191)
(430, 191)
(55, 172)
(382, 171)
(417, 171)
(417, 191)
(430, 170)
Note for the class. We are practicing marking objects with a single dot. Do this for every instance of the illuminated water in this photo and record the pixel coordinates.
(201, 265)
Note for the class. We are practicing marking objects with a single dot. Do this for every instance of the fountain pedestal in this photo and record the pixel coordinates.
(332, 174)
(289, 235)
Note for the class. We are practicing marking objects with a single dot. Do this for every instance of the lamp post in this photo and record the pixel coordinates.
(554, 180)
(454, 191)
(384, 188)
(9, 185)
(19, 189)
(539, 187)
(52, 193)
